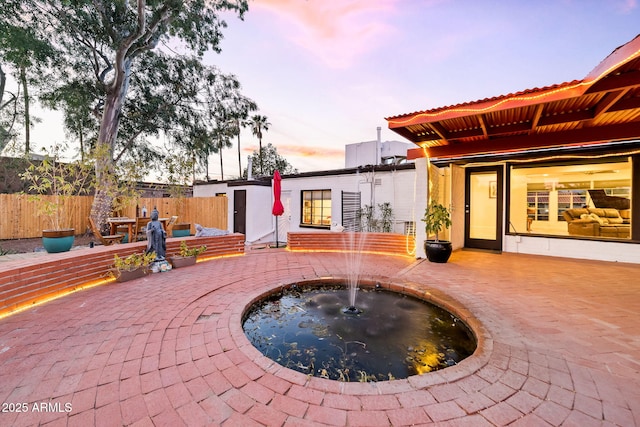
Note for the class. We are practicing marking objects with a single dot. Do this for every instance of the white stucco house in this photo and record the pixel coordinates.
(325, 200)
(322, 200)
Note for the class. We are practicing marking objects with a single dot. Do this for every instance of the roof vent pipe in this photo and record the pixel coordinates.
(378, 147)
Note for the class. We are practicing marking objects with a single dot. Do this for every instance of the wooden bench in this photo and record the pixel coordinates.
(34, 280)
(377, 243)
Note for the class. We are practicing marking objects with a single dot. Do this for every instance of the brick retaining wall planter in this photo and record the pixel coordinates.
(30, 281)
(327, 241)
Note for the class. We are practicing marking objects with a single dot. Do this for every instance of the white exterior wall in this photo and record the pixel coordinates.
(395, 187)
(394, 149)
(210, 190)
(573, 248)
(403, 189)
(294, 186)
(361, 154)
(422, 198)
(372, 152)
(260, 224)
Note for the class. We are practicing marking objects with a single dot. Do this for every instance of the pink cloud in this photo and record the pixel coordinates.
(310, 151)
(286, 150)
(627, 6)
(335, 31)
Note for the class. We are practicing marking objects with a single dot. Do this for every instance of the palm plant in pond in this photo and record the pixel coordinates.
(258, 124)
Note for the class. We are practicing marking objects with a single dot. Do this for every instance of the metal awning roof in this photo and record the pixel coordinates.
(604, 106)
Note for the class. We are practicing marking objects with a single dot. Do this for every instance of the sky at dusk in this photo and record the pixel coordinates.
(327, 72)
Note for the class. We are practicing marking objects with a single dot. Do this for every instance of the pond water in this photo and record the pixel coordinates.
(394, 336)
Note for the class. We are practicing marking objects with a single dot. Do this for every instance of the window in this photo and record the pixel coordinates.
(538, 205)
(316, 208)
(410, 228)
(570, 199)
(351, 211)
(573, 199)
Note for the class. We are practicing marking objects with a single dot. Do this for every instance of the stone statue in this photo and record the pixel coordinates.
(156, 237)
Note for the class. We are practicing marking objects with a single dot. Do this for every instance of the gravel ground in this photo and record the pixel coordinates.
(20, 246)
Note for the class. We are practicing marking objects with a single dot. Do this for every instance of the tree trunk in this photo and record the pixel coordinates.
(3, 82)
(260, 153)
(239, 155)
(221, 169)
(4, 135)
(81, 136)
(27, 117)
(106, 181)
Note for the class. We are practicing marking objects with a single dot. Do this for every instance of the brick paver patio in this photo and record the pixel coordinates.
(560, 347)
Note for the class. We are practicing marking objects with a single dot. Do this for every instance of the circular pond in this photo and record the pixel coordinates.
(389, 336)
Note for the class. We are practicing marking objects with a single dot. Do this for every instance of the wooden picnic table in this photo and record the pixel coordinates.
(133, 225)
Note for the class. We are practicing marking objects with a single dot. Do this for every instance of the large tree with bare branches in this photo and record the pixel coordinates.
(117, 42)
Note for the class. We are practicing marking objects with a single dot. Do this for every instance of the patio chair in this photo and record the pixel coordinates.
(140, 229)
(106, 240)
(170, 224)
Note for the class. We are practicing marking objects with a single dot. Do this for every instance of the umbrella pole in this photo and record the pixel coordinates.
(277, 232)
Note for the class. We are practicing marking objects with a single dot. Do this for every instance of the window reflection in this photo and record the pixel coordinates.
(576, 199)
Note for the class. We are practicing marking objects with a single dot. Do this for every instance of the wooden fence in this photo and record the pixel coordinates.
(20, 219)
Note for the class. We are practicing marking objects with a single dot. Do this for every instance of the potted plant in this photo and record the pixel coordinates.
(188, 256)
(131, 267)
(436, 217)
(53, 185)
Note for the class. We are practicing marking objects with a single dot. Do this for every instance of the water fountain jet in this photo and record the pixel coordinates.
(353, 244)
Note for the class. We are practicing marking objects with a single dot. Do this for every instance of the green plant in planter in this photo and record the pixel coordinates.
(133, 261)
(186, 251)
(53, 184)
(436, 217)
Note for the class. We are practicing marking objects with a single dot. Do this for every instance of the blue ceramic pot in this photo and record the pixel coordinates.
(55, 241)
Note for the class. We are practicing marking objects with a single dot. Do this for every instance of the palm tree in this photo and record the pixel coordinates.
(239, 124)
(222, 139)
(259, 123)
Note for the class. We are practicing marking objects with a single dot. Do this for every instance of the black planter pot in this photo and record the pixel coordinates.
(439, 251)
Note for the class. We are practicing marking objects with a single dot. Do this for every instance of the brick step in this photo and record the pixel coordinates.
(26, 282)
(391, 243)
